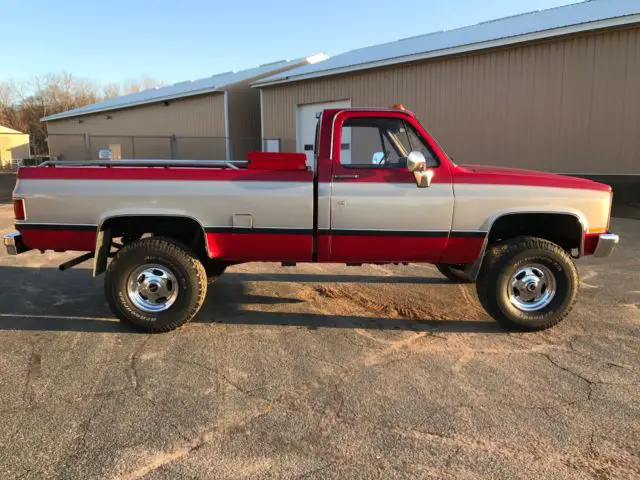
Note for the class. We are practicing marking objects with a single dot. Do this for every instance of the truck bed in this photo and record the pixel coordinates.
(236, 203)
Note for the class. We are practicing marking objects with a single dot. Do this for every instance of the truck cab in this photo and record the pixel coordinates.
(371, 206)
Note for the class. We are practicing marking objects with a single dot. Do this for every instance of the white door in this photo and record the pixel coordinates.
(306, 119)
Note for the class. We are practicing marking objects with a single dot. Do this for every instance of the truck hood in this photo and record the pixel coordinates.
(514, 176)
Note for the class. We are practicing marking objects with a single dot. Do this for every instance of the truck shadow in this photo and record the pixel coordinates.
(45, 299)
(332, 278)
(7, 183)
(314, 321)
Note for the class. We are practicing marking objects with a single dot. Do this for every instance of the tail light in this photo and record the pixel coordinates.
(18, 209)
(610, 208)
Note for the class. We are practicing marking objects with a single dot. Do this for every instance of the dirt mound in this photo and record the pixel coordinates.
(393, 309)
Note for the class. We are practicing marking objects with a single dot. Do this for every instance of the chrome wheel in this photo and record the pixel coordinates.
(152, 288)
(532, 288)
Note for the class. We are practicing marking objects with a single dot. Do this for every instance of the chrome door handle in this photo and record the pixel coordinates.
(345, 177)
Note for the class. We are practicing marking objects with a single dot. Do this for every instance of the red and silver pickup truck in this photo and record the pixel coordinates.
(378, 189)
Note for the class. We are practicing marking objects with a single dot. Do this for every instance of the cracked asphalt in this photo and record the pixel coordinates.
(318, 372)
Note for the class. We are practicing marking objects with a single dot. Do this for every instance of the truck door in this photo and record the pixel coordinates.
(377, 213)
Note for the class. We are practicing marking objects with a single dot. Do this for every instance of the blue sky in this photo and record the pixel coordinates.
(173, 41)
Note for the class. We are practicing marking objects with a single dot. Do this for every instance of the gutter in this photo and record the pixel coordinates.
(505, 41)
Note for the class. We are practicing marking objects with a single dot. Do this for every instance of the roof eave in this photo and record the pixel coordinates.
(318, 57)
(64, 115)
(506, 41)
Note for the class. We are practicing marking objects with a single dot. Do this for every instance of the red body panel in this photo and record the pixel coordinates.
(511, 176)
(461, 250)
(386, 249)
(590, 243)
(59, 240)
(260, 247)
(18, 210)
(276, 161)
(323, 245)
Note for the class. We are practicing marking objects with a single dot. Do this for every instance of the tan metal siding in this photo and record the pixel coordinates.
(190, 119)
(197, 116)
(244, 120)
(569, 105)
(13, 146)
(201, 148)
(201, 116)
(68, 147)
(153, 148)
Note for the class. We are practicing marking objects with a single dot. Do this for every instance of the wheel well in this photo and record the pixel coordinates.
(183, 229)
(562, 229)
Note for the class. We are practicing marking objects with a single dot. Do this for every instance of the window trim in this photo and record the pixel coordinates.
(424, 143)
(406, 125)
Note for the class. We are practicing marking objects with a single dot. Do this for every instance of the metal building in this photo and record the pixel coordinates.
(212, 118)
(14, 146)
(555, 90)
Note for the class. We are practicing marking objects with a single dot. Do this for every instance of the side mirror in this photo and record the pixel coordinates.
(423, 179)
(417, 164)
(377, 158)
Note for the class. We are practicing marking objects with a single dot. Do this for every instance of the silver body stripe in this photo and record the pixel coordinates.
(271, 204)
(289, 205)
(477, 206)
(390, 206)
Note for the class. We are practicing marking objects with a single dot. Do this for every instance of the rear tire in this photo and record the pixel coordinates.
(454, 273)
(155, 284)
(527, 283)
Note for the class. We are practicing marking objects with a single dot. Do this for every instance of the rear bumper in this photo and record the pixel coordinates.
(14, 244)
(606, 244)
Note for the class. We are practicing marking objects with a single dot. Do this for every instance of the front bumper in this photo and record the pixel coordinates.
(14, 244)
(606, 244)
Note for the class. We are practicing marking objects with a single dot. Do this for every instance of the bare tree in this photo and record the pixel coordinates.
(111, 90)
(23, 104)
(133, 85)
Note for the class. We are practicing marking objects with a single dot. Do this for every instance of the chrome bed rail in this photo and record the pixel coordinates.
(232, 164)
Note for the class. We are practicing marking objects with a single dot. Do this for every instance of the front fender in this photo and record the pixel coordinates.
(494, 216)
(474, 269)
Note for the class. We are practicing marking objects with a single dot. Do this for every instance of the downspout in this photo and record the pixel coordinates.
(262, 140)
(227, 138)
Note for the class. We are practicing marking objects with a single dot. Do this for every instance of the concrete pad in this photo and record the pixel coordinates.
(318, 372)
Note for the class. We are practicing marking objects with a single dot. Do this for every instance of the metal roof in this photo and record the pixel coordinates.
(215, 83)
(584, 16)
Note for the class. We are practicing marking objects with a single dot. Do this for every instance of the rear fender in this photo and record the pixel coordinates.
(103, 240)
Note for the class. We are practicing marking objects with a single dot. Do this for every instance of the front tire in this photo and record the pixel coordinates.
(527, 283)
(155, 285)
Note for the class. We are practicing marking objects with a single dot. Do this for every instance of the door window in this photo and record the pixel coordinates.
(382, 143)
